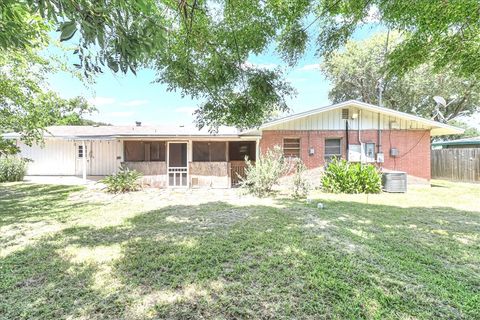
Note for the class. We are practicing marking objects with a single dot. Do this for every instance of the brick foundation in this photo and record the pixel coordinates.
(413, 147)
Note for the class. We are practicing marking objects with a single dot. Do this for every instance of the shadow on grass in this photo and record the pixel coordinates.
(349, 260)
(35, 202)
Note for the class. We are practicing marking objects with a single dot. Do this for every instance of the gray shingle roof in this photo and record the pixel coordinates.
(105, 132)
(464, 141)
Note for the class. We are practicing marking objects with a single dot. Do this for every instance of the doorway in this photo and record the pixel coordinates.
(177, 164)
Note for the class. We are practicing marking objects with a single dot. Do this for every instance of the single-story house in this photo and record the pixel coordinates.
(188, 157)
(473, 142)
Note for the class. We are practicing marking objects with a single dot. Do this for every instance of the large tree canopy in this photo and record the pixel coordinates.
(357, 72)
(27, 105)
(201, 47)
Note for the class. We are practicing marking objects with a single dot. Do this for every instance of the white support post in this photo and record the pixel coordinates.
(257, 149)
(84, 162)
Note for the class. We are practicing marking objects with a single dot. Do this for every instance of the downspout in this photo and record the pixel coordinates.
(379, 134)
(359, 135)
(346, 139)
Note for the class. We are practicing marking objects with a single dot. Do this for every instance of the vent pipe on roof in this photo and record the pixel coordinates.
(138, 123)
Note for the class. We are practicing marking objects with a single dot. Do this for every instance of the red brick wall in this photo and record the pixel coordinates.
(413, 147)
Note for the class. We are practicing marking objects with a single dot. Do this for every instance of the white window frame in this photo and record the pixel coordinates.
(329, 156)
(291, 148)
(367, 158)
(81, 151)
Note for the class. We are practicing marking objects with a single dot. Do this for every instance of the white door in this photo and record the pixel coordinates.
(177, 164)
(80, 153)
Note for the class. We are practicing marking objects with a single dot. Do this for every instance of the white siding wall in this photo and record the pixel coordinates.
(332, 120)
(60, 157)
(56, 157)
(103, 157)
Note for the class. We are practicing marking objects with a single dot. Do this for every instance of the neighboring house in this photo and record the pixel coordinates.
(459, 143)
(180, 156)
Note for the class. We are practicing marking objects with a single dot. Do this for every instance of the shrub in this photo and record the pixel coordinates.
(265, 173)
(341, 176)
(300, 184)
(12, 168)
(125, 180)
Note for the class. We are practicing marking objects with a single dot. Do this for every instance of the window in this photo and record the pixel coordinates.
(370, 151)
(333, 148)
(209, 151)
(137, 151)
(80, 153)
(291, 148)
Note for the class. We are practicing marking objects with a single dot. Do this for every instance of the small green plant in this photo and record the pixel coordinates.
(261, 177)
(12, 168)
(125, 180)
(341, 176)
(301, 186)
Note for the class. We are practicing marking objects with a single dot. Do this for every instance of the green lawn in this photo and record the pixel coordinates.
(72, 253)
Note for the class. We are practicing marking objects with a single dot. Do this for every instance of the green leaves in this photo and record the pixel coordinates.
(341, 176)
(202, 47)
(125, 180)
(26, 106)
(356, 70)
(67, 30)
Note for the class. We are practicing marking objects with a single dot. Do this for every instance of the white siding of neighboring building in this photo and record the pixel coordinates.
(55, 157)
(332, 120)
(60, 157)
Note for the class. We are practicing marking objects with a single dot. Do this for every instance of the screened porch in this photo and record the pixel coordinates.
(189, 163)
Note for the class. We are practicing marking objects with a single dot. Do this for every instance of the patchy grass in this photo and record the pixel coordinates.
(70, 253)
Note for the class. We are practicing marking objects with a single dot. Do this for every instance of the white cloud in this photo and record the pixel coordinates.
(297, 79)
(121, 114)
(134, 103)
(186, 110)
(310, 67)
(101, 101)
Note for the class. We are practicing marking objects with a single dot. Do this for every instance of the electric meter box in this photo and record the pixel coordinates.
(394, 152)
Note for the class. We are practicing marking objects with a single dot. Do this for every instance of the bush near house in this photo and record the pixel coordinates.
(12, 168)
(261, 177)
(300, 186)
(341, 176)
(125, 180)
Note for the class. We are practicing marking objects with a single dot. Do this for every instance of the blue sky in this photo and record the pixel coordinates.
(124, 99)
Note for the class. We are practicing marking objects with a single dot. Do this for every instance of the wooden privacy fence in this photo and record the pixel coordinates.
(461, 164)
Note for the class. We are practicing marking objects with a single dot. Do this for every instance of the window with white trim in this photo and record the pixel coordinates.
(370, 151)
(291, 147)
(333, 149)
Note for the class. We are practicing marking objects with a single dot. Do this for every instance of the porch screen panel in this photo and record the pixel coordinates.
(200, 151)
(218, 151)
(177, 155)
(134, 151)
(157, 151)
(209, 151)
(237, 150)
